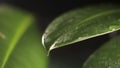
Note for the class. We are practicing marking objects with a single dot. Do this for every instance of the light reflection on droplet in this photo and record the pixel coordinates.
(112, 28)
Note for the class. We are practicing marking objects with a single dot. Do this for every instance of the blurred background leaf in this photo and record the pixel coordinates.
(20, 41)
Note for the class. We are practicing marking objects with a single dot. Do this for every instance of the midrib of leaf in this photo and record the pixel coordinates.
(19, 32)
(83, 21)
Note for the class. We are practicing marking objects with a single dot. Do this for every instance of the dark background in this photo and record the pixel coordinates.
(72, 56)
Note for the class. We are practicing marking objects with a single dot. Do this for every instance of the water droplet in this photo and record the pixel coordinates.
(112, 28)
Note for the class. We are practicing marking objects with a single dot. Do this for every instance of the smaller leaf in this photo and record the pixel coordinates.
(108, 56)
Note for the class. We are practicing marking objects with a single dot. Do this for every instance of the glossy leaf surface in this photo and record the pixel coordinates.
(20, 41)
(81, 24)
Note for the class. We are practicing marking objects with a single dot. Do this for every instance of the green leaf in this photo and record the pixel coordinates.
(20, 41)
(81, 24)
(107, 56)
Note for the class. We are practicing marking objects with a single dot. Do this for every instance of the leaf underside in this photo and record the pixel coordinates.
(81, 24)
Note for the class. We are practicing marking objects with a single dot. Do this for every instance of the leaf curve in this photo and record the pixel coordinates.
(13, 26)
(107, 56)
(81, 24)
